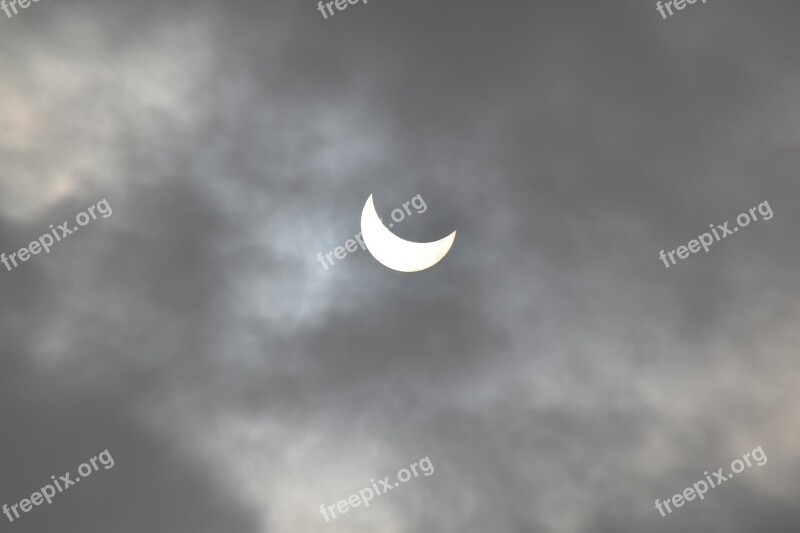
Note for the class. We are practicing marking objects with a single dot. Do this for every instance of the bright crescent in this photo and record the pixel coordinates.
(396, 253)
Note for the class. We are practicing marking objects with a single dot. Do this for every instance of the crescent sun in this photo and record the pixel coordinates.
(396, 253)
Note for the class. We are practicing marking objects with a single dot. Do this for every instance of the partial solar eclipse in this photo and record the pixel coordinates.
(396, 253)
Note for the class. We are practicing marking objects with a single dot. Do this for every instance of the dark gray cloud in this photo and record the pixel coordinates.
(558, 376)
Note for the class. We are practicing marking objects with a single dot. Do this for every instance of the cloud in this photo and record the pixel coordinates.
(559, 377)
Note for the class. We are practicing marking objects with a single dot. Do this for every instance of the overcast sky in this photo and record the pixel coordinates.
(558, 376)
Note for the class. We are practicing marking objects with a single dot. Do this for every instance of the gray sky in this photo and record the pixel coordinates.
(558, 376)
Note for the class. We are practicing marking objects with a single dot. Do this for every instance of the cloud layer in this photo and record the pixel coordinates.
(558, 376)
